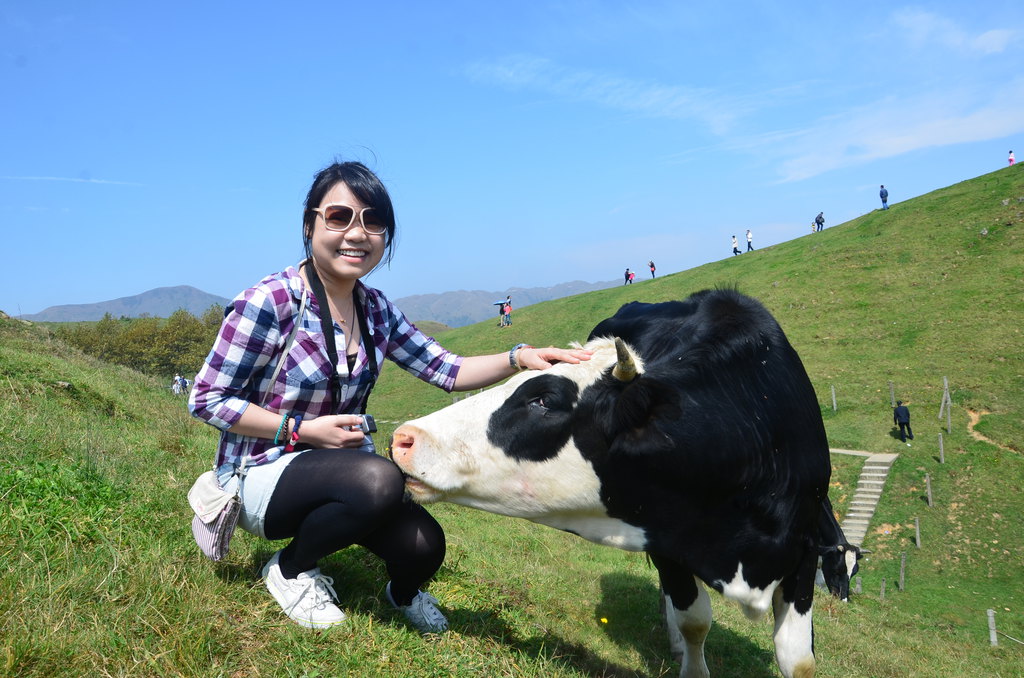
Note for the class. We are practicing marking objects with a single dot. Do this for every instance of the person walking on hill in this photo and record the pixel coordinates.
(750, 241)
(506, 311)
(901, 418)
(312, 474)
(625, 277)
(884, 195)
(650, 264)
(1011, 159)
(820, 220)
(735, 246)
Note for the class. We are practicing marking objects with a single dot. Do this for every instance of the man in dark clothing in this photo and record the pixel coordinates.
(884, 195)
(901, 417)
(820, 220)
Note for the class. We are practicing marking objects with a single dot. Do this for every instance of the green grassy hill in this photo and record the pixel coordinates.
(99, 574)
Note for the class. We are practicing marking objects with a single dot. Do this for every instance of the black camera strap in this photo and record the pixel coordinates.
(327, 325)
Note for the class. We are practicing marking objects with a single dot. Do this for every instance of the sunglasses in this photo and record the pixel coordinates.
(341, 217)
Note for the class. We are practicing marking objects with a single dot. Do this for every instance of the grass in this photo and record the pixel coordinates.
(99, 574)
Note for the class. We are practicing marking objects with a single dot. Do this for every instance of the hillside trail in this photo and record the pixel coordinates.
(975, 417)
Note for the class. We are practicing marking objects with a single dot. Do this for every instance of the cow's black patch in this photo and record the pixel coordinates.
(717, 449)
(533, 424)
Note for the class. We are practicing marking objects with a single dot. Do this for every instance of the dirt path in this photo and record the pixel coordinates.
(975, 417)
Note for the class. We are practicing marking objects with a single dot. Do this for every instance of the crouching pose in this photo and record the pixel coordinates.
(287, 382)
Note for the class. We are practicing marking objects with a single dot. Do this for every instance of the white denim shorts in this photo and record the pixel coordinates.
(260, 482)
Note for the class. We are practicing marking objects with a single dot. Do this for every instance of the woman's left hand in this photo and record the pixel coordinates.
(543, 358)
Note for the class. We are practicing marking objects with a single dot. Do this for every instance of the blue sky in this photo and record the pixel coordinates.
(525, 144)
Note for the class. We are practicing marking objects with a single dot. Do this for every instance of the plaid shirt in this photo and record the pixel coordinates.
(256, 327)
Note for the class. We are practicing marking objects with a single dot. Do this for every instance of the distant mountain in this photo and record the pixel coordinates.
(159, 303)
(454, 309)
(465, 307)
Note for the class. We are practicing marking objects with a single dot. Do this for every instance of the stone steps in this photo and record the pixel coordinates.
(865, 498)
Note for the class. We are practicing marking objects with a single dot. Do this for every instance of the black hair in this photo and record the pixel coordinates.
(365, 185)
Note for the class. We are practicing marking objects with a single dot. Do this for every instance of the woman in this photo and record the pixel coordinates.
(333, 490)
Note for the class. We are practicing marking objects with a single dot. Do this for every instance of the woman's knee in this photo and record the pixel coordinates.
(382, 480)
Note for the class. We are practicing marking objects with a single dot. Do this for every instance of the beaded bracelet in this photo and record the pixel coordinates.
(284, 422)
(512, 358)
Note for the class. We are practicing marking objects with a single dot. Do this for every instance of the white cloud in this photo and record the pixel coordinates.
(74, 180)
(893, 127)
(923, 29)
(611, 91)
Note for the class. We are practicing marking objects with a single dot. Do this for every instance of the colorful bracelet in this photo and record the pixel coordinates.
(295, 434)
(513, 361)
(284, 422)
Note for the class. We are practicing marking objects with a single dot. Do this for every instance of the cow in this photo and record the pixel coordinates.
(838, 558)
(693, 433)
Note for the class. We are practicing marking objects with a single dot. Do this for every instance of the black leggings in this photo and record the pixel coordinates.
(327, 500)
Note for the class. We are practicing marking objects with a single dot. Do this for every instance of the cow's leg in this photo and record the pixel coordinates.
(794, 632)
(687, 609)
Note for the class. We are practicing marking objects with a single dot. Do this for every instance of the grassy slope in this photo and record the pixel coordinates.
(98, 574)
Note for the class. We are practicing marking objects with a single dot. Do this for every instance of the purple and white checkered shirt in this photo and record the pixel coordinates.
(256, 326)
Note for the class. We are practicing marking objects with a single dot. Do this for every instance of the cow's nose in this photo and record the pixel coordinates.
(403, 442)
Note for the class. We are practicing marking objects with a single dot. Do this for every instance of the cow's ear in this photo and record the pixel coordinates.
(642, 401)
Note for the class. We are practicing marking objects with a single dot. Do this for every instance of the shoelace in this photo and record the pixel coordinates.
(323, 591)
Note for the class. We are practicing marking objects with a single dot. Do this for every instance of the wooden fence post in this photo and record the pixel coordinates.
(892, 395)
(946, 406)
(993, 641)
(903, 570)
(834, 408)
(942, 452)
(928, 486)
(917, 532)
(856, 588)
(881, 594)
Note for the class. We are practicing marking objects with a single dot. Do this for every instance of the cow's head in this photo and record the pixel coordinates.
(838, 566)
(511, 449)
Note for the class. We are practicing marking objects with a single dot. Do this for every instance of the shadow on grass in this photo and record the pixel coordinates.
(628, 613)
(627, 596)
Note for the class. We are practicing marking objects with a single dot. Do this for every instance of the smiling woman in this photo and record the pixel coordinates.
(287, 384)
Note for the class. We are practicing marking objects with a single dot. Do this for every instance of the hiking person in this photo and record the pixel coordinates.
(735, 246)
(884, 195)
(820, 220)
(650, 264)
(1011, 160)
(750, 241)
(506, 311)
(901, 418)
(311, 472)
(625, 277)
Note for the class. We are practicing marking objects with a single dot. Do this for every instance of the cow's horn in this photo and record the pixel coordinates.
(625, 368)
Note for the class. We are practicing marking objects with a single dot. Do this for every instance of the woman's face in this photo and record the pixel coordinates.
(345, 255)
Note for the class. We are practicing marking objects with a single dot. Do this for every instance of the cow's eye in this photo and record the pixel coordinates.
(538, 402)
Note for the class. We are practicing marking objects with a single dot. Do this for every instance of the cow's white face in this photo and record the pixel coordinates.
(510, 450)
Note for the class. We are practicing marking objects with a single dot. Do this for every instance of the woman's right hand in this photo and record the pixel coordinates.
(332, 431)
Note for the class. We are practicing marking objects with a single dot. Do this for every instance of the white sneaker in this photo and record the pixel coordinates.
(422, 612)
(308, 599)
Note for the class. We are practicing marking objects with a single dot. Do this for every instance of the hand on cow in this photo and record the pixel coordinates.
(332, 431)
(543, 358)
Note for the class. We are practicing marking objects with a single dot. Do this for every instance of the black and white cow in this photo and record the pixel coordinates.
(693, 433)
(839, 558)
